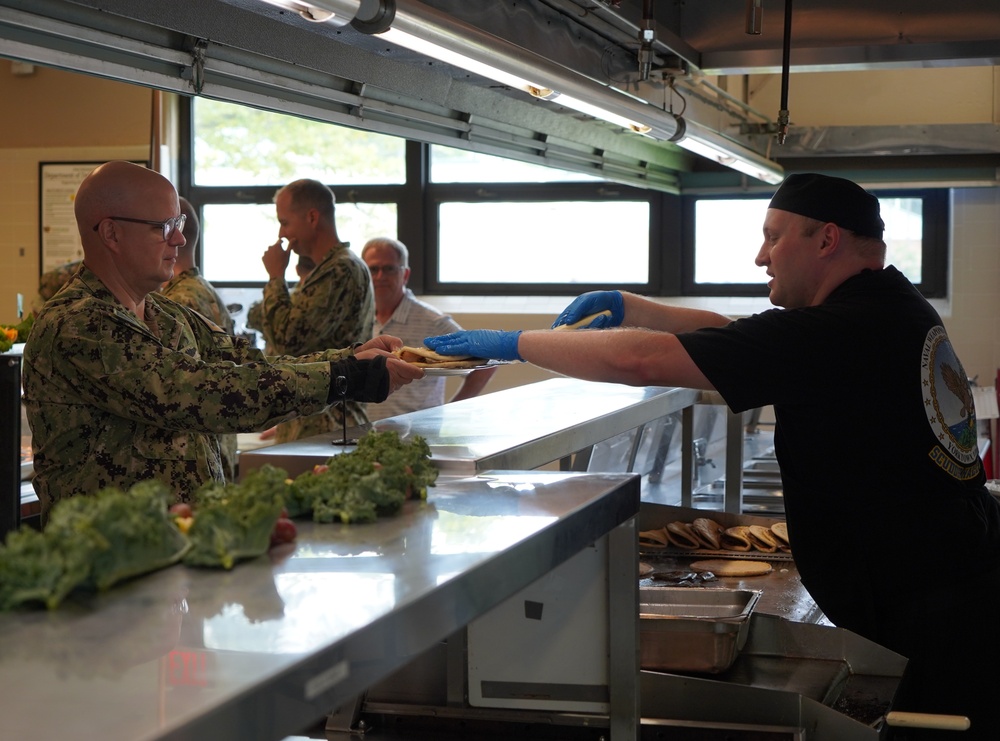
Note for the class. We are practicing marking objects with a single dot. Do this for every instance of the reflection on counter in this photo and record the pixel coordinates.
(109, 636)
(266, 649)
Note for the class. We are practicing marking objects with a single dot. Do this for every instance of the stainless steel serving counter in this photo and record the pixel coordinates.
(271, 647)
(796, 677)
(516, 429)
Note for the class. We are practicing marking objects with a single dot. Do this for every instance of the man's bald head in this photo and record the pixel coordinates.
(115, 189)
(121, 209)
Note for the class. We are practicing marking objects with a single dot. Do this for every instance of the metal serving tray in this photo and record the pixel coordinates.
(700, 630)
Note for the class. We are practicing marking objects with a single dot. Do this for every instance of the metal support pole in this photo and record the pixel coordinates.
(10, 444)
(687, 456)
(734, 463)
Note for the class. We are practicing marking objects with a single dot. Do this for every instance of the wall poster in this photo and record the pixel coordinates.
(59, 239)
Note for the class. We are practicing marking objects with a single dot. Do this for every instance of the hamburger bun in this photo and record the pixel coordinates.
(736, 538)
(762, 539)
(780, 530)
(727, 567)
(682, 536)
(709, 532)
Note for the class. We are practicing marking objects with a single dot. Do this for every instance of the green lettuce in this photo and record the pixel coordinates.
(90, 542)
(233, 522)
(136, 532)
(371, 481)
(37, 569)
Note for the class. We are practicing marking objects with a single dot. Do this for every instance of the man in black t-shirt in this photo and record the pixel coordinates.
(894, 533)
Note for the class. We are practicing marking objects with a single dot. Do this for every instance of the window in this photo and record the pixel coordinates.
(234, 236)
(507, 226)
(241, 156)
(239, 146)
(477, 223)
(726, 236)
(544, 242)
(450, 165)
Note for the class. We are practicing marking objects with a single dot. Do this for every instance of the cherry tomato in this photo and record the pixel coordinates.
(284, 531)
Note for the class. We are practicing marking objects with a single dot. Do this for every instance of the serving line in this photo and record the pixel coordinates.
(271, 647)
(516, 429)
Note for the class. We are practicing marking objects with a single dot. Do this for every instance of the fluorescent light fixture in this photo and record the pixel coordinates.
(601, 113)
(714, 146)
(607, 110)
(433, 33)
(464, 61)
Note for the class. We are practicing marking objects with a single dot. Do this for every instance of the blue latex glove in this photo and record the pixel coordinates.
(592, 303)
(480, 343)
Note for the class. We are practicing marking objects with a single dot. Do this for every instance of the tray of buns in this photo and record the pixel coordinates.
(703, 537)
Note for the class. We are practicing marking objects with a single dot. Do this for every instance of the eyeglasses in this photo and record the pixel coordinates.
(386, 269)
(171, 225)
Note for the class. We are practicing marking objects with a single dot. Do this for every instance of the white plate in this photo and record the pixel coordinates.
(455, 371)
(464, 371)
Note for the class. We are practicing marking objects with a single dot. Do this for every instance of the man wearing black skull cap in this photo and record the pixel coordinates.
(893, 531)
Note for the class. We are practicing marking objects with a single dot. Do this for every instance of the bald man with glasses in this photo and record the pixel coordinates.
(122, 384)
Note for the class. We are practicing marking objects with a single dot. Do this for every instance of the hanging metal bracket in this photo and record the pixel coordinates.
(198, 65)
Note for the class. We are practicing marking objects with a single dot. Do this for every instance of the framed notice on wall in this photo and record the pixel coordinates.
(59, 239)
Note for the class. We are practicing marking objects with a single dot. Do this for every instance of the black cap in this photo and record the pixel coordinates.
(830, 199)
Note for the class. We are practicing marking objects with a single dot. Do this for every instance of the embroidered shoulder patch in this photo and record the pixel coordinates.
(948, 403)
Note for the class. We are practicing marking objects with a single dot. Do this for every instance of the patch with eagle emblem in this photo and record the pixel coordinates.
(949, 406)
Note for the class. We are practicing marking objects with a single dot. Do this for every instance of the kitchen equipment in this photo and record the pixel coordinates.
(700, 630)
(900, 719)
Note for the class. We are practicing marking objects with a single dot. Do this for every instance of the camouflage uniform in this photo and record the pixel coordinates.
(112, 400)
(51, 281)
(191, 290)
(334, 307)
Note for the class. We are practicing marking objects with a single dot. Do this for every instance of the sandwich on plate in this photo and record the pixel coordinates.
(423, 357)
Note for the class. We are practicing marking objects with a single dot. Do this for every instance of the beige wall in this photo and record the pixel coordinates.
(975, 282)
(55, 116)
(59, 116)
(949, 95)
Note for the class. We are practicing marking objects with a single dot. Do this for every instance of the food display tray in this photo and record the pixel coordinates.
(698, 630)
(651, 554)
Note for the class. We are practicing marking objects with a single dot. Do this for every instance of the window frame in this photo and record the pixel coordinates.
(671, 246)
(441, 193)
(934, 253)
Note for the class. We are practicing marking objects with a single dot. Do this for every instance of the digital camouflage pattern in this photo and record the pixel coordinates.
(333, 307)
(51, 281)
(190, 289)
(112, 400)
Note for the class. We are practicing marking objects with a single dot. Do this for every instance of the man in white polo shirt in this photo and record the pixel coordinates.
(399, 313)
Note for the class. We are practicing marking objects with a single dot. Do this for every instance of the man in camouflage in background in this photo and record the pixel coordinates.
(333, 307)
(122, 384)
(303, 267)
(188, 288)
(52, 280)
